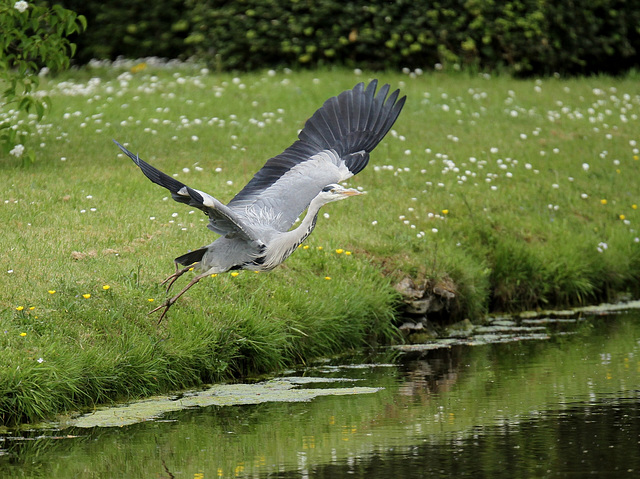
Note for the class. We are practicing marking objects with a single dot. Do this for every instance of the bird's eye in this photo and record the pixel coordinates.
(327, 189)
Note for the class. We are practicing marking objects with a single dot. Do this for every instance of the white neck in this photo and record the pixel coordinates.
(284, 244)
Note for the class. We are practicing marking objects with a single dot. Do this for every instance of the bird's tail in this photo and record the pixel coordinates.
(191, 257)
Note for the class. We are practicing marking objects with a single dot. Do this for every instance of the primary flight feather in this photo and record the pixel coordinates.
(255, 225)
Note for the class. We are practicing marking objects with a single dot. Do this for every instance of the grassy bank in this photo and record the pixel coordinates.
(515, 194)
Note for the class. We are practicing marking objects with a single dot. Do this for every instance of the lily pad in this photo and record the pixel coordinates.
(276, 390)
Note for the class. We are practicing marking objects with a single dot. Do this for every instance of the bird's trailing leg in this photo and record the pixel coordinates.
(169, 302)
(179, 272)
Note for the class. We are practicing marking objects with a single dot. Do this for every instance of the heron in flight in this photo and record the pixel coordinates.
(255, 225)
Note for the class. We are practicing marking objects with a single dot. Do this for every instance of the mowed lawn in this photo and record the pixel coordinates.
(511, 193)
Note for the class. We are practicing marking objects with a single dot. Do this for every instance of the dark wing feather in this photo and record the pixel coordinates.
(340, 134)
(221, 219)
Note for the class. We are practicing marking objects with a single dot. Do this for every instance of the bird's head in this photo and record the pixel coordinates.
(335, 192)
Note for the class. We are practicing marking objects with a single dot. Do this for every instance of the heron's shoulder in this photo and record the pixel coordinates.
(261, 216)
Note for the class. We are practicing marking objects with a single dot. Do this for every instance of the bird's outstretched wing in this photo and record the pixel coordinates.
(221, 219)
(334, 145)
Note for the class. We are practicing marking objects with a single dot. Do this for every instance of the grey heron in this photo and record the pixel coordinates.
(255, 226)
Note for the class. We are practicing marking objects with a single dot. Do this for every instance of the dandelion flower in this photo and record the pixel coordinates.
(622, 217)
(348, 253)
(445, 212)
(305, 246)
(19, 308)
(31, 308)
(339, 251)
(214, 275)
(52, 291)
(634, 206)
(106, 287)
(603, 201)
(319, 248)
(86, 296)
(234, 274)
(151, 300)
(23, 334)
(327, 278)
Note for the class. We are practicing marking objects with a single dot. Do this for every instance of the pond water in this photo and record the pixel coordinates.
(564, 406)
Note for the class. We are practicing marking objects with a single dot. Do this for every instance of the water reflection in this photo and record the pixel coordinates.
(522, 409)
(593, 441)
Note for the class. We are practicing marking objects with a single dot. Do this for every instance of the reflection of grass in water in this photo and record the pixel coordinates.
(488, 385)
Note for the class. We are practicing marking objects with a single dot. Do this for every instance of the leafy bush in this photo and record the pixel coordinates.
(33, 37)
(525, 37)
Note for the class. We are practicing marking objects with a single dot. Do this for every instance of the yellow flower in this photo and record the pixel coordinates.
(603, 201)
(327, 278)
(348, 253)
(445, 212)
(151, 300)
(52, 291)
(191, 269)
(634, 206)
(31, 308)
(339, 251)
(19, 308)
(305, 246)
(234, 274)
(86, 296)
(256, 272)
(636, 157)
(319, 248)
(138, 67)
(106, 287)
(23, 334)
(214, 275)
(622, 217)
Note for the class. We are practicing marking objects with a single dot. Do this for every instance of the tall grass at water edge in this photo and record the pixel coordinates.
(513, 194)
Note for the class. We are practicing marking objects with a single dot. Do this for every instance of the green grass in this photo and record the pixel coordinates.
(518, 231)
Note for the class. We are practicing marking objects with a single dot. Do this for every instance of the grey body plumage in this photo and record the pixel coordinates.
(255, 225)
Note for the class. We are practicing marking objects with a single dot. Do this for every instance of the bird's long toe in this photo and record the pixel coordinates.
(166, 305)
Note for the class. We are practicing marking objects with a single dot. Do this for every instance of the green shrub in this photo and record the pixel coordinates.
(33, 37)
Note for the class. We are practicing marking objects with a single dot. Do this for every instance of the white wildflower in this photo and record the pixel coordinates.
(21, 6)
(17, 150)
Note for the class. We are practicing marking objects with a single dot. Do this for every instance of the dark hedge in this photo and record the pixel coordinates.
(521, 36)
(534, 36)
(131, 28)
